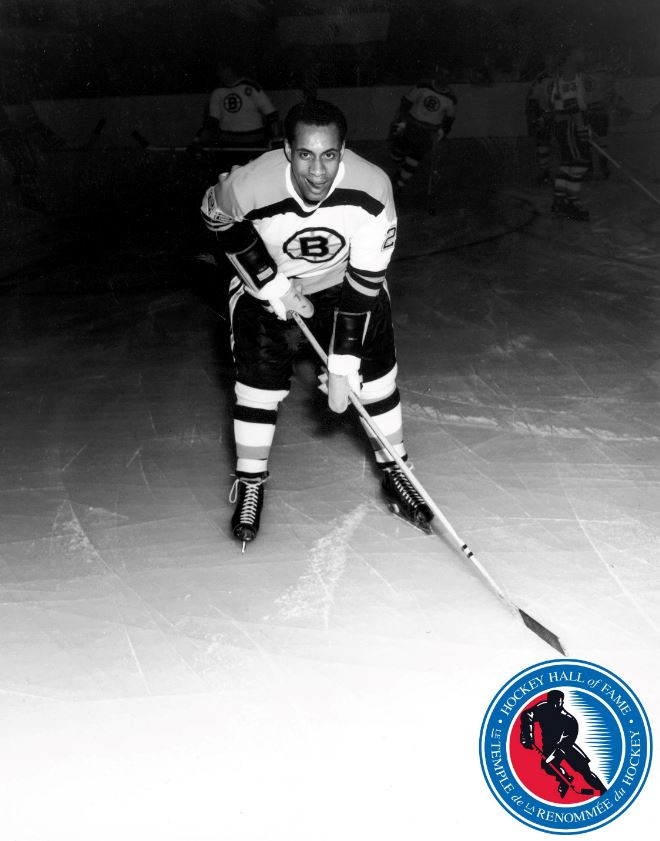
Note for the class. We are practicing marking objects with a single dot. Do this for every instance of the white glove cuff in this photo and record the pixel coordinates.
(275, 288)
(343, 365)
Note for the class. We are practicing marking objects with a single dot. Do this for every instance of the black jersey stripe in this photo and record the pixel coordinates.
(365, 272)
(277, 209)
(344, 196)
(364, 282)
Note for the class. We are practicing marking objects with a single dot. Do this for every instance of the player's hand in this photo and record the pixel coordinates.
(440, 134)
(398, 128)
(289, 299)
(343, 376)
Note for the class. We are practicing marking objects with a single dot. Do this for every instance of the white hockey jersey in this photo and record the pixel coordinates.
(241, 107)
(430, 105)
(349, 235)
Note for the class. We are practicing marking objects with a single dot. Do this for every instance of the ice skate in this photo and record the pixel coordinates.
(248, 494)
(404, 499)
(573, 210)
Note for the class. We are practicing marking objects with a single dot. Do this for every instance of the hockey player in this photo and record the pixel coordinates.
(310, 229)
(240, 113)
(427, 111)
(539, 117)
(559, 730)
(569, 109)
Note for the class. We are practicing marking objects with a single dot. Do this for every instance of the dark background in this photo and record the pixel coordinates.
(91, 48)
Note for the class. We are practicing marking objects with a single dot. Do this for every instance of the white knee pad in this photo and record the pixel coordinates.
(258, 398)
(379, 389)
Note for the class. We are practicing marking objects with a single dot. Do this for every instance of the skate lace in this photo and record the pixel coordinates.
(407, 491)
(250, 502)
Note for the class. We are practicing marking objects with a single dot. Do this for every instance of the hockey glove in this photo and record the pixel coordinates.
(343, 376)
(440, 135)
(397, 128)
(285, 297)
(345, 357)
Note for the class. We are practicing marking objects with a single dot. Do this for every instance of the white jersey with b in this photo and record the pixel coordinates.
(568, 96)
(349, 235)
(429, 104)
(240, 107)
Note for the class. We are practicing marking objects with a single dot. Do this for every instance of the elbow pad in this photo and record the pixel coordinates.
(248, 252)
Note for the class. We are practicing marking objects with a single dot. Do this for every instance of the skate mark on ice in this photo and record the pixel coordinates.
(542, 430)
(611, 571)
(66, 466)
(68, 537)
(313, 595)
(278, 674)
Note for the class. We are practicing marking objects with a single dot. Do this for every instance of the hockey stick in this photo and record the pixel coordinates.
(533, 624)
(563, 773)
(433, 175)
(605, 154)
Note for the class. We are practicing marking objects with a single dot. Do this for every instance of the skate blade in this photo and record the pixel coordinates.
(245, 535)
(420, 524)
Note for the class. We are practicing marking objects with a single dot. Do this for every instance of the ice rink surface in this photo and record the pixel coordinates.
(330, 683)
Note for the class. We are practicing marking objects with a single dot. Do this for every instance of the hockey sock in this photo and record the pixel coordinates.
(574, 182)
(255, 418)
(382, 401)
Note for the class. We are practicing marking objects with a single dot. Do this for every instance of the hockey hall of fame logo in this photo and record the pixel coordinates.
(565, 746)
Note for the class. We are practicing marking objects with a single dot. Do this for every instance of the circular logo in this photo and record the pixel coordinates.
(316, 245)
(232, 103)
(431, 103)
(565, 746)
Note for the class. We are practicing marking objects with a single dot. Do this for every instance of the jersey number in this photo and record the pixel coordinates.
(390, 238)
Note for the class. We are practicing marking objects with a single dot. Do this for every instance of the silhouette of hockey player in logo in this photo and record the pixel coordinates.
(559, 730)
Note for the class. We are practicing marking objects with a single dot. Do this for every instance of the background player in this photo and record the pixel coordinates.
(571, 127)
(311, 229)
(240, 113)
(426, 112)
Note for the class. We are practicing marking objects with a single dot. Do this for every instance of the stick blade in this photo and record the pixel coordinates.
(541, 631)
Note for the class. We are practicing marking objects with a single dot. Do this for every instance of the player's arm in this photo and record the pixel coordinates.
(247, 252)
(399, 122)
(212, 120)
(370, 253)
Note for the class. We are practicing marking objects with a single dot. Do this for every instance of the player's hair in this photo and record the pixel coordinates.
(314, 112)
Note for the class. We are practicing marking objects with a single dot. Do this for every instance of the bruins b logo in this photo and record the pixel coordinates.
(232, 103)
(316, 245)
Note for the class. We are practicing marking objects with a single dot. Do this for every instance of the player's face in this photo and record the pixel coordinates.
(315, 156)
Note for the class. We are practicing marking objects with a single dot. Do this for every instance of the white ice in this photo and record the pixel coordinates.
(330, 683)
